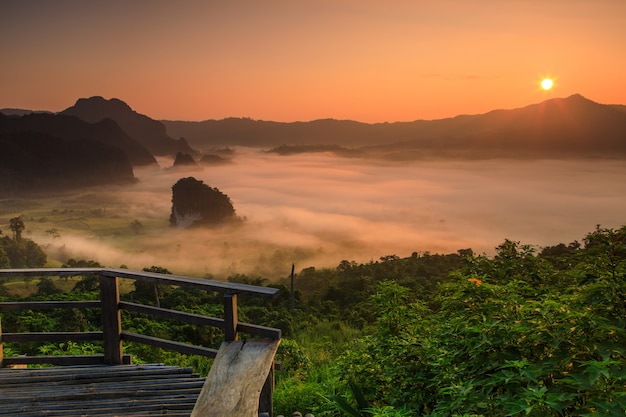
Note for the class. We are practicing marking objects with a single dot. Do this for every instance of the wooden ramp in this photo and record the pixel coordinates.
(236, 379)
(121, 390)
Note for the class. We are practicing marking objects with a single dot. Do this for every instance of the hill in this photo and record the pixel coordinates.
(562, 127)
(148, 132)
(72, 128)
(35, 161)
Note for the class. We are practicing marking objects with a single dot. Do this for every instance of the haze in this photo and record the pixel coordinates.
(280, 60)
(316, 210)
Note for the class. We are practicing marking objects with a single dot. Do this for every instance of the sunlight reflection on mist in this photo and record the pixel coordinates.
(316, 210)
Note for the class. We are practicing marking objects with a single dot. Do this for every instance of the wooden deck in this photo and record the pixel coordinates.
(100, 390)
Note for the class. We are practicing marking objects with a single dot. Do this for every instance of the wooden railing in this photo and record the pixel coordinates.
(112, 334)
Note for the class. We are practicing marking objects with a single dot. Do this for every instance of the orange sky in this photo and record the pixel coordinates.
(289, 60)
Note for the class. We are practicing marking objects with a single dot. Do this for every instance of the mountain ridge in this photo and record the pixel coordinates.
(571, 126)
(148, 132)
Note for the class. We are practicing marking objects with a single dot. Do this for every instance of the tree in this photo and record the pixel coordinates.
(5, 262)
(89, 282)
(136, 226)
(16, 224)
(46, 286)
(147, 291)
(54, 233)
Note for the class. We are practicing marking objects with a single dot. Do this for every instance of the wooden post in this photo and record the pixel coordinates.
(230, 317)
(1, 351)
(111, 320)
(266, 400)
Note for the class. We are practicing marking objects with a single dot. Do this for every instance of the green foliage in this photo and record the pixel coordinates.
(293, 358)
(46, 286)
(21, 253)
(513, 335)
(526, 332)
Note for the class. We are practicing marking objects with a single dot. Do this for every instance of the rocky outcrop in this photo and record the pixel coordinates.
(196, 204)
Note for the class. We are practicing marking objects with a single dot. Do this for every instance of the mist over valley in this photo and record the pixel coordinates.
(328, 190)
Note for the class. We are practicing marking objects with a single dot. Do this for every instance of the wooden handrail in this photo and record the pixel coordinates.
(181, 281)
(112, 334)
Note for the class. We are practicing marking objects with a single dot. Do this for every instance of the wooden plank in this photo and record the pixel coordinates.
(129, 390)
(188, 282)
(168, 344)
(61, 360)
(46, 305)
(173, 314)
(234, 383)
(52, 337)
(49, 272)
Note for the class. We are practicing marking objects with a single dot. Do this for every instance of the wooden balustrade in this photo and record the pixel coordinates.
(112, 334)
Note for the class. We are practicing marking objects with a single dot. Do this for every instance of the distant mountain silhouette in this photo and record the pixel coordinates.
(20, 112)
(72, 128)
(561, 127)
(37, 161)
(258, 133)
(184, 160)
(148, 132)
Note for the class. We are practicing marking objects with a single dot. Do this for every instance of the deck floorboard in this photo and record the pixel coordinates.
(121, 390)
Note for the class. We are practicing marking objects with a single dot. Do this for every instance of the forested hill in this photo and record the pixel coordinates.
(38, 155)
(148, 132)
(561, 127)
(105, 131)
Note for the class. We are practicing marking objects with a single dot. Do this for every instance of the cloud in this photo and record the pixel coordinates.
(316, 210)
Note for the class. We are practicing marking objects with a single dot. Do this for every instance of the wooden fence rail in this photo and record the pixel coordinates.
(113, 336)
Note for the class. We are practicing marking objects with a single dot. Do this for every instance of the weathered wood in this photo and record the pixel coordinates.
(170, 345)
(234, 383)
(172, 314)
(266, 399)
(52, 337)
(188, 282)
(111, 320)
(46, 305)
(129, 390)
(1, 344)
(112, 337)
(61, 360)
(230, 317)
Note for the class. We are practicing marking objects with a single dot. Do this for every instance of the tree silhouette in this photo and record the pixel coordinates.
(16, 224)
(136, 226)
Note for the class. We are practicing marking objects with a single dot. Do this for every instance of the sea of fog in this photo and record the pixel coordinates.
(319, 209)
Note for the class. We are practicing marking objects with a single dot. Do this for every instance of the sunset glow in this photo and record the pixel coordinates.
(280, 60)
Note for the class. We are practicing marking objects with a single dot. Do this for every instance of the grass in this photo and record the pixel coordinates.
(92, 216)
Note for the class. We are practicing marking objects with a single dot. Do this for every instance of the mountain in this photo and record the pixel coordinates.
(148, 132)
(258, 133)
(561, 127)
(37, 161)
(20, 112)
(105, 131)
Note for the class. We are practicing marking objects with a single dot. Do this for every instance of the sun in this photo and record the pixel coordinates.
(547, 84)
